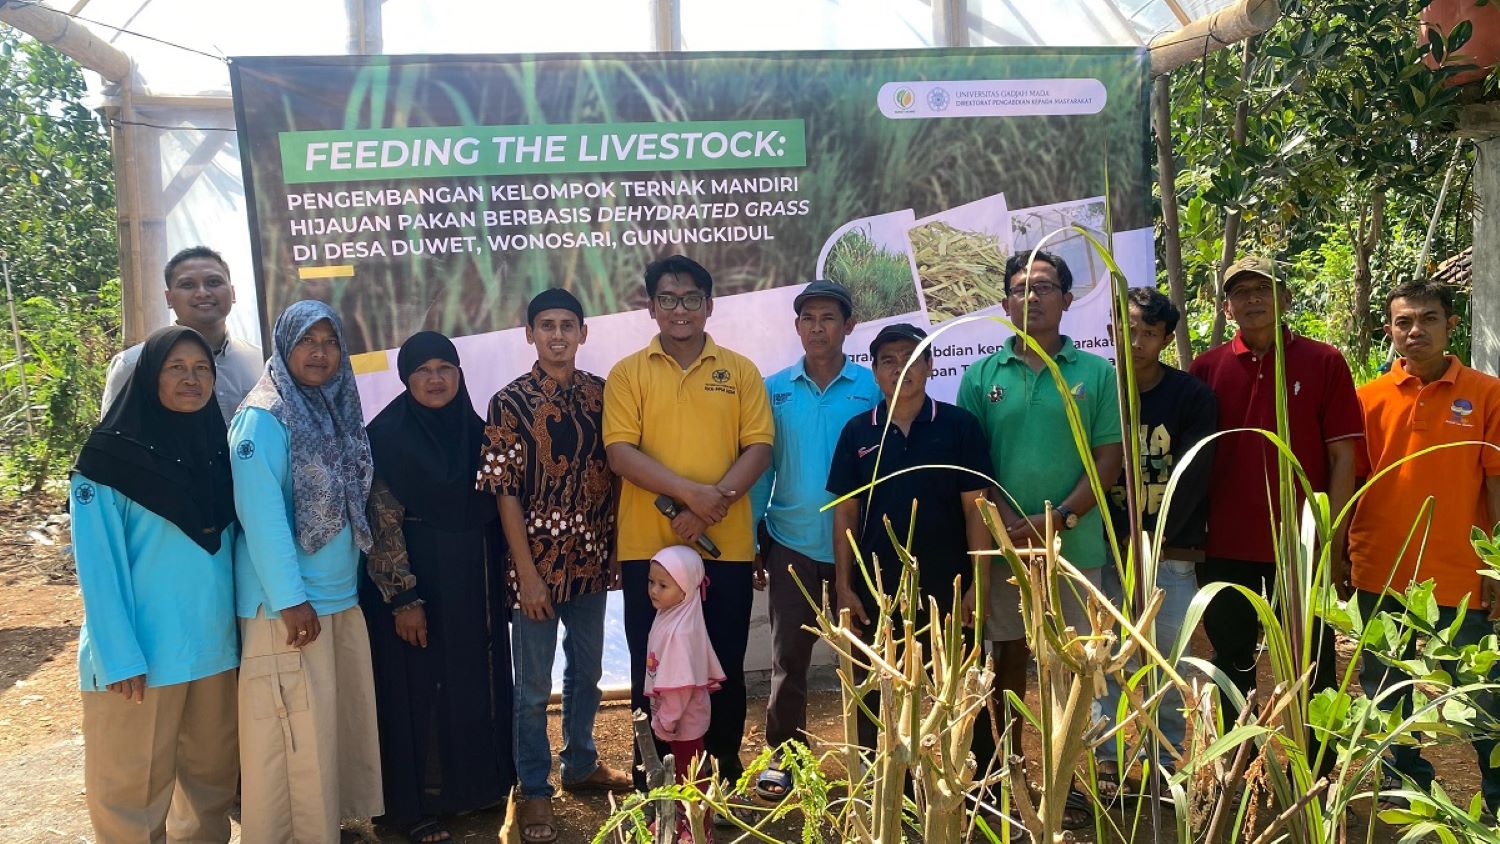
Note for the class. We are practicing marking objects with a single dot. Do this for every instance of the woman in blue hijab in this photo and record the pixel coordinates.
(302, 472)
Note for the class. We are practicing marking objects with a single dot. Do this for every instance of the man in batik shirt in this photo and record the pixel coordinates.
(545, 462)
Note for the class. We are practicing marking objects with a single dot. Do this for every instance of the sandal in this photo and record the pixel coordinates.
(538, 825)
(1107, 783)
(428, 831)
(773, 784)
(741, 811)
(603, 779)
(1078, 811)
(1389, 782)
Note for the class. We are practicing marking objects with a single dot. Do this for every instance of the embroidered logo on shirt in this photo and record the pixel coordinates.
(1461, 409)
(779, 399)
(245, 450)
(997, 394)
(1296, 388)
(84, 494)
(867, 449)
(1078, 390)
(652, 663)
(720, 378)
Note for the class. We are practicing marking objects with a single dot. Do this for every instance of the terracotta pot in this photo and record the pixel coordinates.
(1482, 49)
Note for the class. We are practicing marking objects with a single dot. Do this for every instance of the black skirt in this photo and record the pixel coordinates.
(445, 711)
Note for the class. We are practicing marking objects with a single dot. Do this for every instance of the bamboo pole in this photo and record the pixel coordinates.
(68, 37)
(15, 333)
(1232, 24)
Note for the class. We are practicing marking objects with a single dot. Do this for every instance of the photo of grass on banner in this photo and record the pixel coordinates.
(442, 192)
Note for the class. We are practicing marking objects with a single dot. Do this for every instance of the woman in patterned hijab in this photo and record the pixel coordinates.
(332, 469)
(302, 475)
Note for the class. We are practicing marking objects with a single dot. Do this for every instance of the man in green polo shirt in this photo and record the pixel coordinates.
(1035, 458)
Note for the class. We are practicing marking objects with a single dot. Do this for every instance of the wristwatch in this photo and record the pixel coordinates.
(1069, 518)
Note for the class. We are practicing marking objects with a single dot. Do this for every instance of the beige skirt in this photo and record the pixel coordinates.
(309, 750)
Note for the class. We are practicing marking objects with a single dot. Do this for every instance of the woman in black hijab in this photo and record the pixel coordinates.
(439, 624)
(153, 537)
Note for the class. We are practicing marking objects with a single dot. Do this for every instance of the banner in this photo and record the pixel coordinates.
(442, 192)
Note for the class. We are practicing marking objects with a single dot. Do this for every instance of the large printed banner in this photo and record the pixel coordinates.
(442, 192)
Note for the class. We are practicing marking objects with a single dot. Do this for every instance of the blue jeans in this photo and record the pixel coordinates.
(533, 644)
(1178, 581)
(1375, 675)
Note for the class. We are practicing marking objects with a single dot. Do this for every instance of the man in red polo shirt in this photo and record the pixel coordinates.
(1325, 425)
(1427, 399)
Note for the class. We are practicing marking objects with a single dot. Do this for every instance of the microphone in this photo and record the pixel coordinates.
(670, 509)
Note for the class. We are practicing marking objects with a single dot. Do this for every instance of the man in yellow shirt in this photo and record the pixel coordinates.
(688, 419)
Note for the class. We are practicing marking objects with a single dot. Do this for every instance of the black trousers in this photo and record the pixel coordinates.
(726, 614)
(1234, 630)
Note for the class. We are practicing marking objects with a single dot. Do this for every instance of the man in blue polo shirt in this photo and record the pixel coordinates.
(810, 402)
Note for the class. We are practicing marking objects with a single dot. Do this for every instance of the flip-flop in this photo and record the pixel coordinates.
(773, 784)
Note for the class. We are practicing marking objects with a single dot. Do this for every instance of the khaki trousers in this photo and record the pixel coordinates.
(310, 753)
(163, 769)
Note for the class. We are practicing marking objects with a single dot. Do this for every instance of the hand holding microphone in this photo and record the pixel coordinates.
(672, 510)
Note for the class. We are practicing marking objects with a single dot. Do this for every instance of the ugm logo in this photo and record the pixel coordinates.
(245, 450)
(721, 376)
(84, 493)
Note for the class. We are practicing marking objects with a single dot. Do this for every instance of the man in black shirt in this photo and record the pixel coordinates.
(1177, 411)
(921, 432)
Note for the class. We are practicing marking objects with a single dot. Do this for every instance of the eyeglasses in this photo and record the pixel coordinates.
(1042, 290)
(691, 301)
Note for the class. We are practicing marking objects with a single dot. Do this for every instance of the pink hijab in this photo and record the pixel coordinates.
(678, 653)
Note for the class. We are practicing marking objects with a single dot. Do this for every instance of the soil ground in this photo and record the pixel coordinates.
(41, 743)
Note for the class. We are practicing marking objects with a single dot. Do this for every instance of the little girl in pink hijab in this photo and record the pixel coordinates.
(681, 667)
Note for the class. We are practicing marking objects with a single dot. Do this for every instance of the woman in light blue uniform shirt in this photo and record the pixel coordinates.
(302, 472)
(153, 532)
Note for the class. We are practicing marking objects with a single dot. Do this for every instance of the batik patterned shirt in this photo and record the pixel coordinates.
(545, 446)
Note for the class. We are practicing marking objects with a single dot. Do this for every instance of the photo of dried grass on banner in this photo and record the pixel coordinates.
(960, 256)
(960, 270)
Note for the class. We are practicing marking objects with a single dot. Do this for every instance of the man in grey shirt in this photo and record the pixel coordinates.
(199, 293)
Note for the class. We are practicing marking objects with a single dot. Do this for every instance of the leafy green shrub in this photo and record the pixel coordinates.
(67, 345)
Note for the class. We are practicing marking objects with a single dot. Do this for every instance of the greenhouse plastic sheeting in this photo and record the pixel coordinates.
(319, 27)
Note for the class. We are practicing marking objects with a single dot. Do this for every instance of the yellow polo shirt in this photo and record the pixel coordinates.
(694, 421)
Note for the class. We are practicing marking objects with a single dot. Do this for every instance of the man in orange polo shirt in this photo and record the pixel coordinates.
(1428, 398)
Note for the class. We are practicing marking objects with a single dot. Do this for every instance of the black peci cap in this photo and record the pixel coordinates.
(897, 331)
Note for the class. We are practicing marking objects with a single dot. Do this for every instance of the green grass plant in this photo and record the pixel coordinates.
(878, 278)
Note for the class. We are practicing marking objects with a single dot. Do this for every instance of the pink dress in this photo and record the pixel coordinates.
(681, 670)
